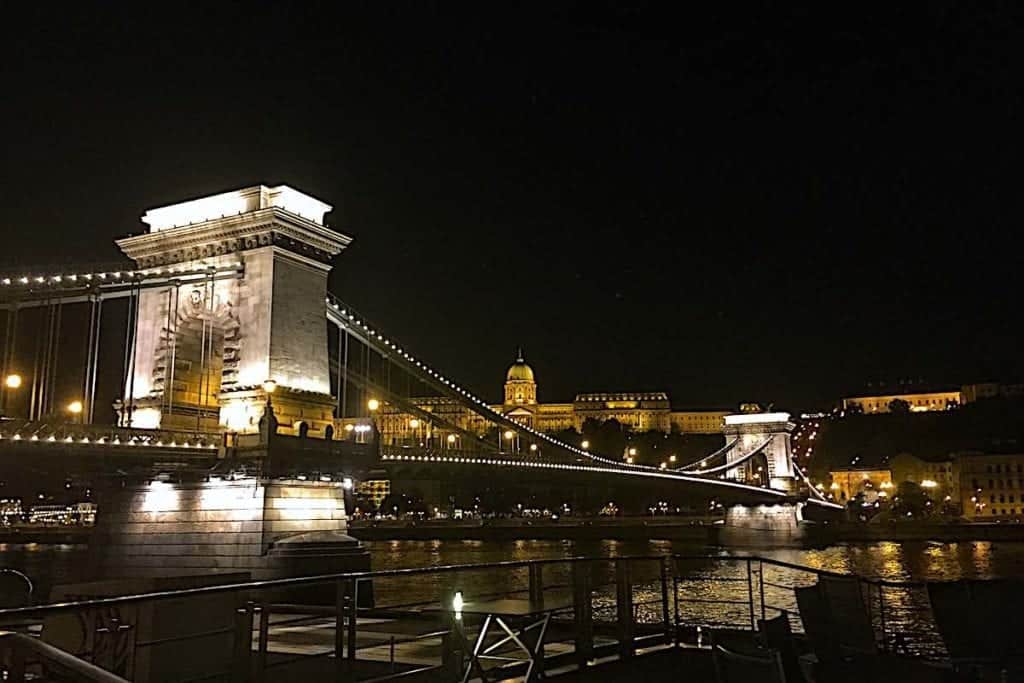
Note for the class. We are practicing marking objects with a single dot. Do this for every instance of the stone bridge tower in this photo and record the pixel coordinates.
(249, 307)
(751, 431)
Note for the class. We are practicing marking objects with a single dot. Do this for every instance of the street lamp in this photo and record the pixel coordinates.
(585, 445)
(12, 381)
(373, 405)
(269, 387)
(451, 440)
(75, 408)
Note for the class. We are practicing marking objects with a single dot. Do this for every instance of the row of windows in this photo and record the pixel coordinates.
(998, 483)
(992, 499)
(1009, 468)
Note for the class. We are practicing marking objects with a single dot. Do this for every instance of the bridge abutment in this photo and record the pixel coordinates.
(765, 525)
(268, 528)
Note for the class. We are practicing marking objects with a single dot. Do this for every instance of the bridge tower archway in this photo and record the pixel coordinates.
(253, 267)
(757, 436)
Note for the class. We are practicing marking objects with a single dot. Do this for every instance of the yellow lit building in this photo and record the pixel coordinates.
(848, 483)
(638, 411)
(919, 403)
(991, 485)
(939, 477)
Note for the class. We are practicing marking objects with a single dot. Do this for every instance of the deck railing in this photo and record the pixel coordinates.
(602, 607)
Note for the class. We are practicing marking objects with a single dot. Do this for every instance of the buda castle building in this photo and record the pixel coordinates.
(637, 411)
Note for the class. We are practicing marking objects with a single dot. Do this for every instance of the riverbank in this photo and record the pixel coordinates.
(618, 528)
(700, 531)
(54, 535)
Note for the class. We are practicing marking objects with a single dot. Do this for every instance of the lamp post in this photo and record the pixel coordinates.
(268, 423)
(373, 405)
(510, 436)
(414, 427)
(12, 382)
(75, 408)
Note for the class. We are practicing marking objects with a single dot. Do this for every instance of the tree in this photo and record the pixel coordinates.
(911, 498)
(899, 406)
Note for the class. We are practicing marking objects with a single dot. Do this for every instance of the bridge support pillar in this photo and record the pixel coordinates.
(267, 528)
(765, 525)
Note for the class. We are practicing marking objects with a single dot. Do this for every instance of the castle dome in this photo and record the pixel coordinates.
(519, 371)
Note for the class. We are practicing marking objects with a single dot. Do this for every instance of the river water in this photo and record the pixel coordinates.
(712, 591)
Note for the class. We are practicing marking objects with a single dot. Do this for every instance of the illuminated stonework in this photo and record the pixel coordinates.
(763, 440)
(204, 347)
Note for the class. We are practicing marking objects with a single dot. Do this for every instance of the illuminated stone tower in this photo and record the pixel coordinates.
(520, 386)
(753, 431)
(249, 307)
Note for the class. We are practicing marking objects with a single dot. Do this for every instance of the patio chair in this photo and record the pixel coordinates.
(734, 667)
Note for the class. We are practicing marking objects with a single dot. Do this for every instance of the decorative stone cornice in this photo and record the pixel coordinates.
(253, 230)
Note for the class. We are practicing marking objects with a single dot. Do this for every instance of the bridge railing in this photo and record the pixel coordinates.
(361, 626)
(70, 432)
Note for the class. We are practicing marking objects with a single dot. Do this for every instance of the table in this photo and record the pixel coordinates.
(524, 623)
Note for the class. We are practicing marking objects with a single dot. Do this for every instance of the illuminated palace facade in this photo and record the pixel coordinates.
(638, 411)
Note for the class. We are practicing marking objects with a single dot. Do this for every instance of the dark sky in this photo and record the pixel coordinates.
(760, 203)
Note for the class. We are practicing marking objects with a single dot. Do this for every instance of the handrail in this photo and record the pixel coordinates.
(55, 608)
(59, 607)
(81, 669)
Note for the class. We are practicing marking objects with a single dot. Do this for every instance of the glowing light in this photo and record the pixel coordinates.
(509, 434)
(756, 418)
(160, 497)
(451, 438)
(269, 386)
(373, 404)
(585, 445)
(233, 203)
(347, 483)
(75, 407)
(12, 381)
(414, 423)
(928, 484)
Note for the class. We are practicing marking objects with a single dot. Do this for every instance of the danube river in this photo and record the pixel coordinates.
(905, 561)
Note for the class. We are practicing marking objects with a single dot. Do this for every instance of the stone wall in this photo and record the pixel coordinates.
(163, 529)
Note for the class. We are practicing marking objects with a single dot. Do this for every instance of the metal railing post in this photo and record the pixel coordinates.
(665, 618)
(339, 629)
(675, 604)
(583, 611)
(15, 658)
(352, 593)
(750, 596)
(760, 586)
(881, 618)
(243, 643)
(624, 607)
(536, 584)
(264, 636)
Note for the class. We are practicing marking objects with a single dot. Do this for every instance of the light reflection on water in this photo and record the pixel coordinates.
(724, 583)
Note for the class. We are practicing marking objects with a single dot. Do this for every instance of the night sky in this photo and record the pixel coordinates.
(759, 204)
